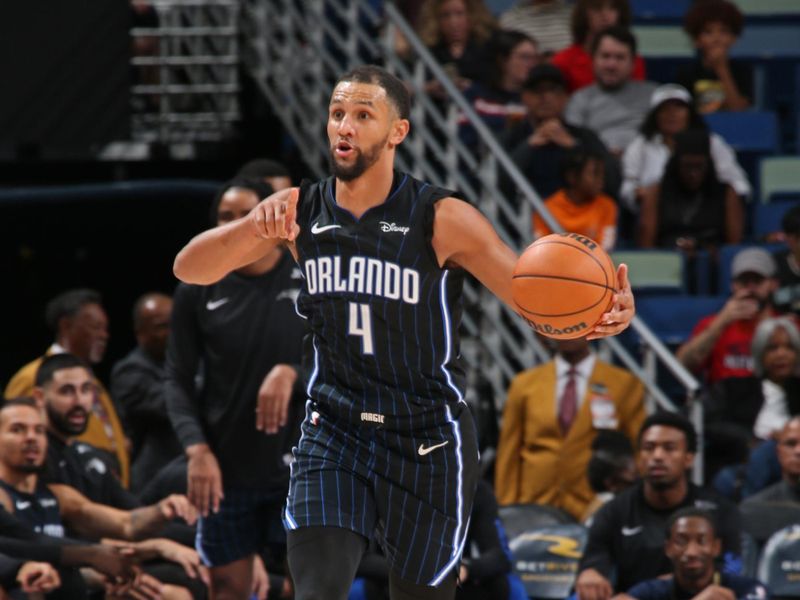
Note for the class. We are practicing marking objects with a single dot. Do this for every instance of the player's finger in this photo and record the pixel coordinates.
(622, 277)
(216, 494)
(261, 422)
(198, 495)
(280, 219)
(284, 410)
(290, 215)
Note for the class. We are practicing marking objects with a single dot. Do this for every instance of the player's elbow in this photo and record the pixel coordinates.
(184, 269)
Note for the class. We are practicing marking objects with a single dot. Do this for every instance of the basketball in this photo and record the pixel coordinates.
(563, 283)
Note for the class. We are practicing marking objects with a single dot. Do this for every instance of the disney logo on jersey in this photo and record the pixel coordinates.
(393, 227)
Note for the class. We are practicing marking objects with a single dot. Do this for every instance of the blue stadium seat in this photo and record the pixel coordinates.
(748, 131)
(546, 559)
(658, 10)
(767, 218)
(767, 42)
(672, 318)
(779, 568)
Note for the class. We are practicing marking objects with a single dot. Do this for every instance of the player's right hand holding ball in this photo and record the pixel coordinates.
(275, 217)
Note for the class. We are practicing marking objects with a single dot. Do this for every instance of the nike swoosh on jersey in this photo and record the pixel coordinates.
(423, 450)
(23, 504)
(315, 228)
(215, 304)
(632, 530)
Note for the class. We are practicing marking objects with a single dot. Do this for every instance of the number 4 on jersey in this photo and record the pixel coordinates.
(361, 324)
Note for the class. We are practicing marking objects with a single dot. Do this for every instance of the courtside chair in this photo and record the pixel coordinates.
(654, 271)
(778, 175)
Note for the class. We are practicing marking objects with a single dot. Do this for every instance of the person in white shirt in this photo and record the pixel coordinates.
(646, 157)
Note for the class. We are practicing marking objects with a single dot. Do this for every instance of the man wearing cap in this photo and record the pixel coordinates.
(719, 346)
(645, 158)
(538, 144)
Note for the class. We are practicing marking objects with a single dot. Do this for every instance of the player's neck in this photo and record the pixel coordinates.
(667, 497)
(19, 480)
(370, 189)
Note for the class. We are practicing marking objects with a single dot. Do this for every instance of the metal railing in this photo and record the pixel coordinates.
(296, 53)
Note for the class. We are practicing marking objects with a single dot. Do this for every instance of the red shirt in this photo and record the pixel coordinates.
(576, 65)
(730, 356)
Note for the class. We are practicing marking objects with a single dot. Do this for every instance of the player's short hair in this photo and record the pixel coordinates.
(575, 160)
(622, 34)
(611, 452)
(262, 167)
(691, 512)
(790, 222)
(675, 420)
(396, 91)
(57, 362)
(713, 11)
(261, 188)
(68, 304)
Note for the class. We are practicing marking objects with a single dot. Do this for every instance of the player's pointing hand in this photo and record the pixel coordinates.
(275, 216)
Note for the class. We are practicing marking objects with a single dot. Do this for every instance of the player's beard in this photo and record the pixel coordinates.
(62, 424)
(364, 160)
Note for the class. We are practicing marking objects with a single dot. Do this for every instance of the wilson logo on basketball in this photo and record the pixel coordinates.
(588, 242)
(548, 329)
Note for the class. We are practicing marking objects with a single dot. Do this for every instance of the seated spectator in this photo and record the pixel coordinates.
(538, 144)
(272, 172)
(788, 489)
(646, 157)
(611, 469)
(48, 508)
(715, 81)
(80, 325)
(787, 296)
(498, 100)
(690, 209)
(628, 533)
(546, 21)
(615, 105)
(692, 547)
(590, 17)
(719, 346)
(552, 415)
(580, 206)
(137, 385)
(456, 32)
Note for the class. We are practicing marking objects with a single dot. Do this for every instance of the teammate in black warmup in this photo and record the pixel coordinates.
(244, 338)
(388, 441)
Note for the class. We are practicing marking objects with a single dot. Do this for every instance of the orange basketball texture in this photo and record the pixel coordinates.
(563, 283)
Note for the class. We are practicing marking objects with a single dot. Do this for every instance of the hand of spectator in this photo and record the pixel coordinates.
(740, 306)
(260, 587)
(144, 587)
(36, 577)
(178, 505)
(205, 479)
(715, 592)
(275, 217)
(273, 398)
(538, 137)
(622, 311)
(554, 131)
(591, 585)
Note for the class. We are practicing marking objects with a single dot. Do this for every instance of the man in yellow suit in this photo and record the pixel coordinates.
(80, 325)
(552, 415)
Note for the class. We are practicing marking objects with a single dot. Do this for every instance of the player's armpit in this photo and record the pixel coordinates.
(463, 236)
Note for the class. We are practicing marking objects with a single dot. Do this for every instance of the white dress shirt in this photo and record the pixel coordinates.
(583, 371)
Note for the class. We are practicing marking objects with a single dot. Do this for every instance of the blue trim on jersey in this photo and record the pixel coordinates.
(198, 546)
(447, 335)
(458, 546)
(315, 372)
(288, 519)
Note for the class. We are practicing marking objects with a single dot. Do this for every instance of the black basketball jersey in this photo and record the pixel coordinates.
(39, 510)
(384, 315)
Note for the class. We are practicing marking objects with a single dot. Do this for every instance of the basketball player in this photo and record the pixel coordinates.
(388, 446)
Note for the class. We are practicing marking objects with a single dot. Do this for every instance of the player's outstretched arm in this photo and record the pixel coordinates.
(211, 255)
(463, 236)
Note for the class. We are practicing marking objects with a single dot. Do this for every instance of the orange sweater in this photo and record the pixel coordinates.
(596, 220)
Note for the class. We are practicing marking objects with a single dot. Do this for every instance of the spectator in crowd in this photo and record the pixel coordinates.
(580, 206)
(628, 533)
(615, 105)
(787, 296)
(456, 32)
(692, 547)
(719, 346)
(646, 157)
(224, 423)
(546, 21)
(690, 209)
(611, 469)
(590, 17)
(270, 171)
(742, 412)
(552, 415)
(47, 508)
(788, 489)
(538, 144)
(715, 81)
(498, 101)
(80, 325)
(137, 385)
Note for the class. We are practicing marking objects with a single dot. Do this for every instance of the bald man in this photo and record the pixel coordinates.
(137, 387)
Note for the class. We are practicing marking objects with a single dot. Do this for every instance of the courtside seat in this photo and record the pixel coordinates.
(762, 519)
(779, 567)
(672, 318)
(747, 131)
(546, 559)
(654, 271)
(779, 175)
